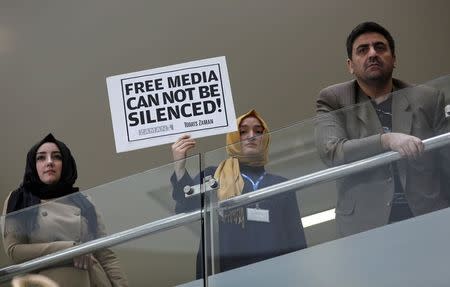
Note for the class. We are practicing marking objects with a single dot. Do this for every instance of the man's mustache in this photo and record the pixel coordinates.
(374, 61)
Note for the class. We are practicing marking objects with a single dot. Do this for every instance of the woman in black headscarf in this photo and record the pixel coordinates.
(60, 218)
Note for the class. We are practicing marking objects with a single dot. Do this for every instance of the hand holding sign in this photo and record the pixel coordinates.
(180, 149)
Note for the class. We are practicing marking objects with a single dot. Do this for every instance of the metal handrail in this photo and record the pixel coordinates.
(167, 223)
(328, 174)
(184, 218)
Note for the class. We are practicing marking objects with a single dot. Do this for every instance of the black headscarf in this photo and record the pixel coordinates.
(32, 189)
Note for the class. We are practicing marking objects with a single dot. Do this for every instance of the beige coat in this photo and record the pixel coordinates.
(61, 226)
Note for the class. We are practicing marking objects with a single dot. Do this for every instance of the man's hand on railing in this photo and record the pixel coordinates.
(409, 146)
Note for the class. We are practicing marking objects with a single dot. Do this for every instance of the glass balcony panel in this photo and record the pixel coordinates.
(325, 179)
(143, 202)
(408, 253)
(269, 227)
(327, 157)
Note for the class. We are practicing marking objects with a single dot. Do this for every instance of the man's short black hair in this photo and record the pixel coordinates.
(368, 27)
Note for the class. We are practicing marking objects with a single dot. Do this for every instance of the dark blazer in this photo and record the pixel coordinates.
(348, 129)
(250, 242)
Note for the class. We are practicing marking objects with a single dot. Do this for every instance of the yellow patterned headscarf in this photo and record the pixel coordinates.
(228, 173)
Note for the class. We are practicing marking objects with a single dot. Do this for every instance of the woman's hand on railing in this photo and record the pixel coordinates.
(180, 149)
(84, 261)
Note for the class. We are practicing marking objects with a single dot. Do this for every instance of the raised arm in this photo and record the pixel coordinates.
(180, 149)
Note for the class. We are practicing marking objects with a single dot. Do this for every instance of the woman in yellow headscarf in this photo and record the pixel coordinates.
(254, 232)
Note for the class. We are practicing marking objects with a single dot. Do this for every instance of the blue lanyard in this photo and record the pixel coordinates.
(254, 184)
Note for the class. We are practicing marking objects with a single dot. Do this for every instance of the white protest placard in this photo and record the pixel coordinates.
(157, 106)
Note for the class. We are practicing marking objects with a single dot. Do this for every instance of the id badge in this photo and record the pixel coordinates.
(257, 214)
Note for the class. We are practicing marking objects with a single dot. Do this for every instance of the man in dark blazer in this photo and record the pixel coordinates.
(373, 114)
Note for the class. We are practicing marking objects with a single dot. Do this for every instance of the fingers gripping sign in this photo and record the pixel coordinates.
(180, 150)
(182, 146)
